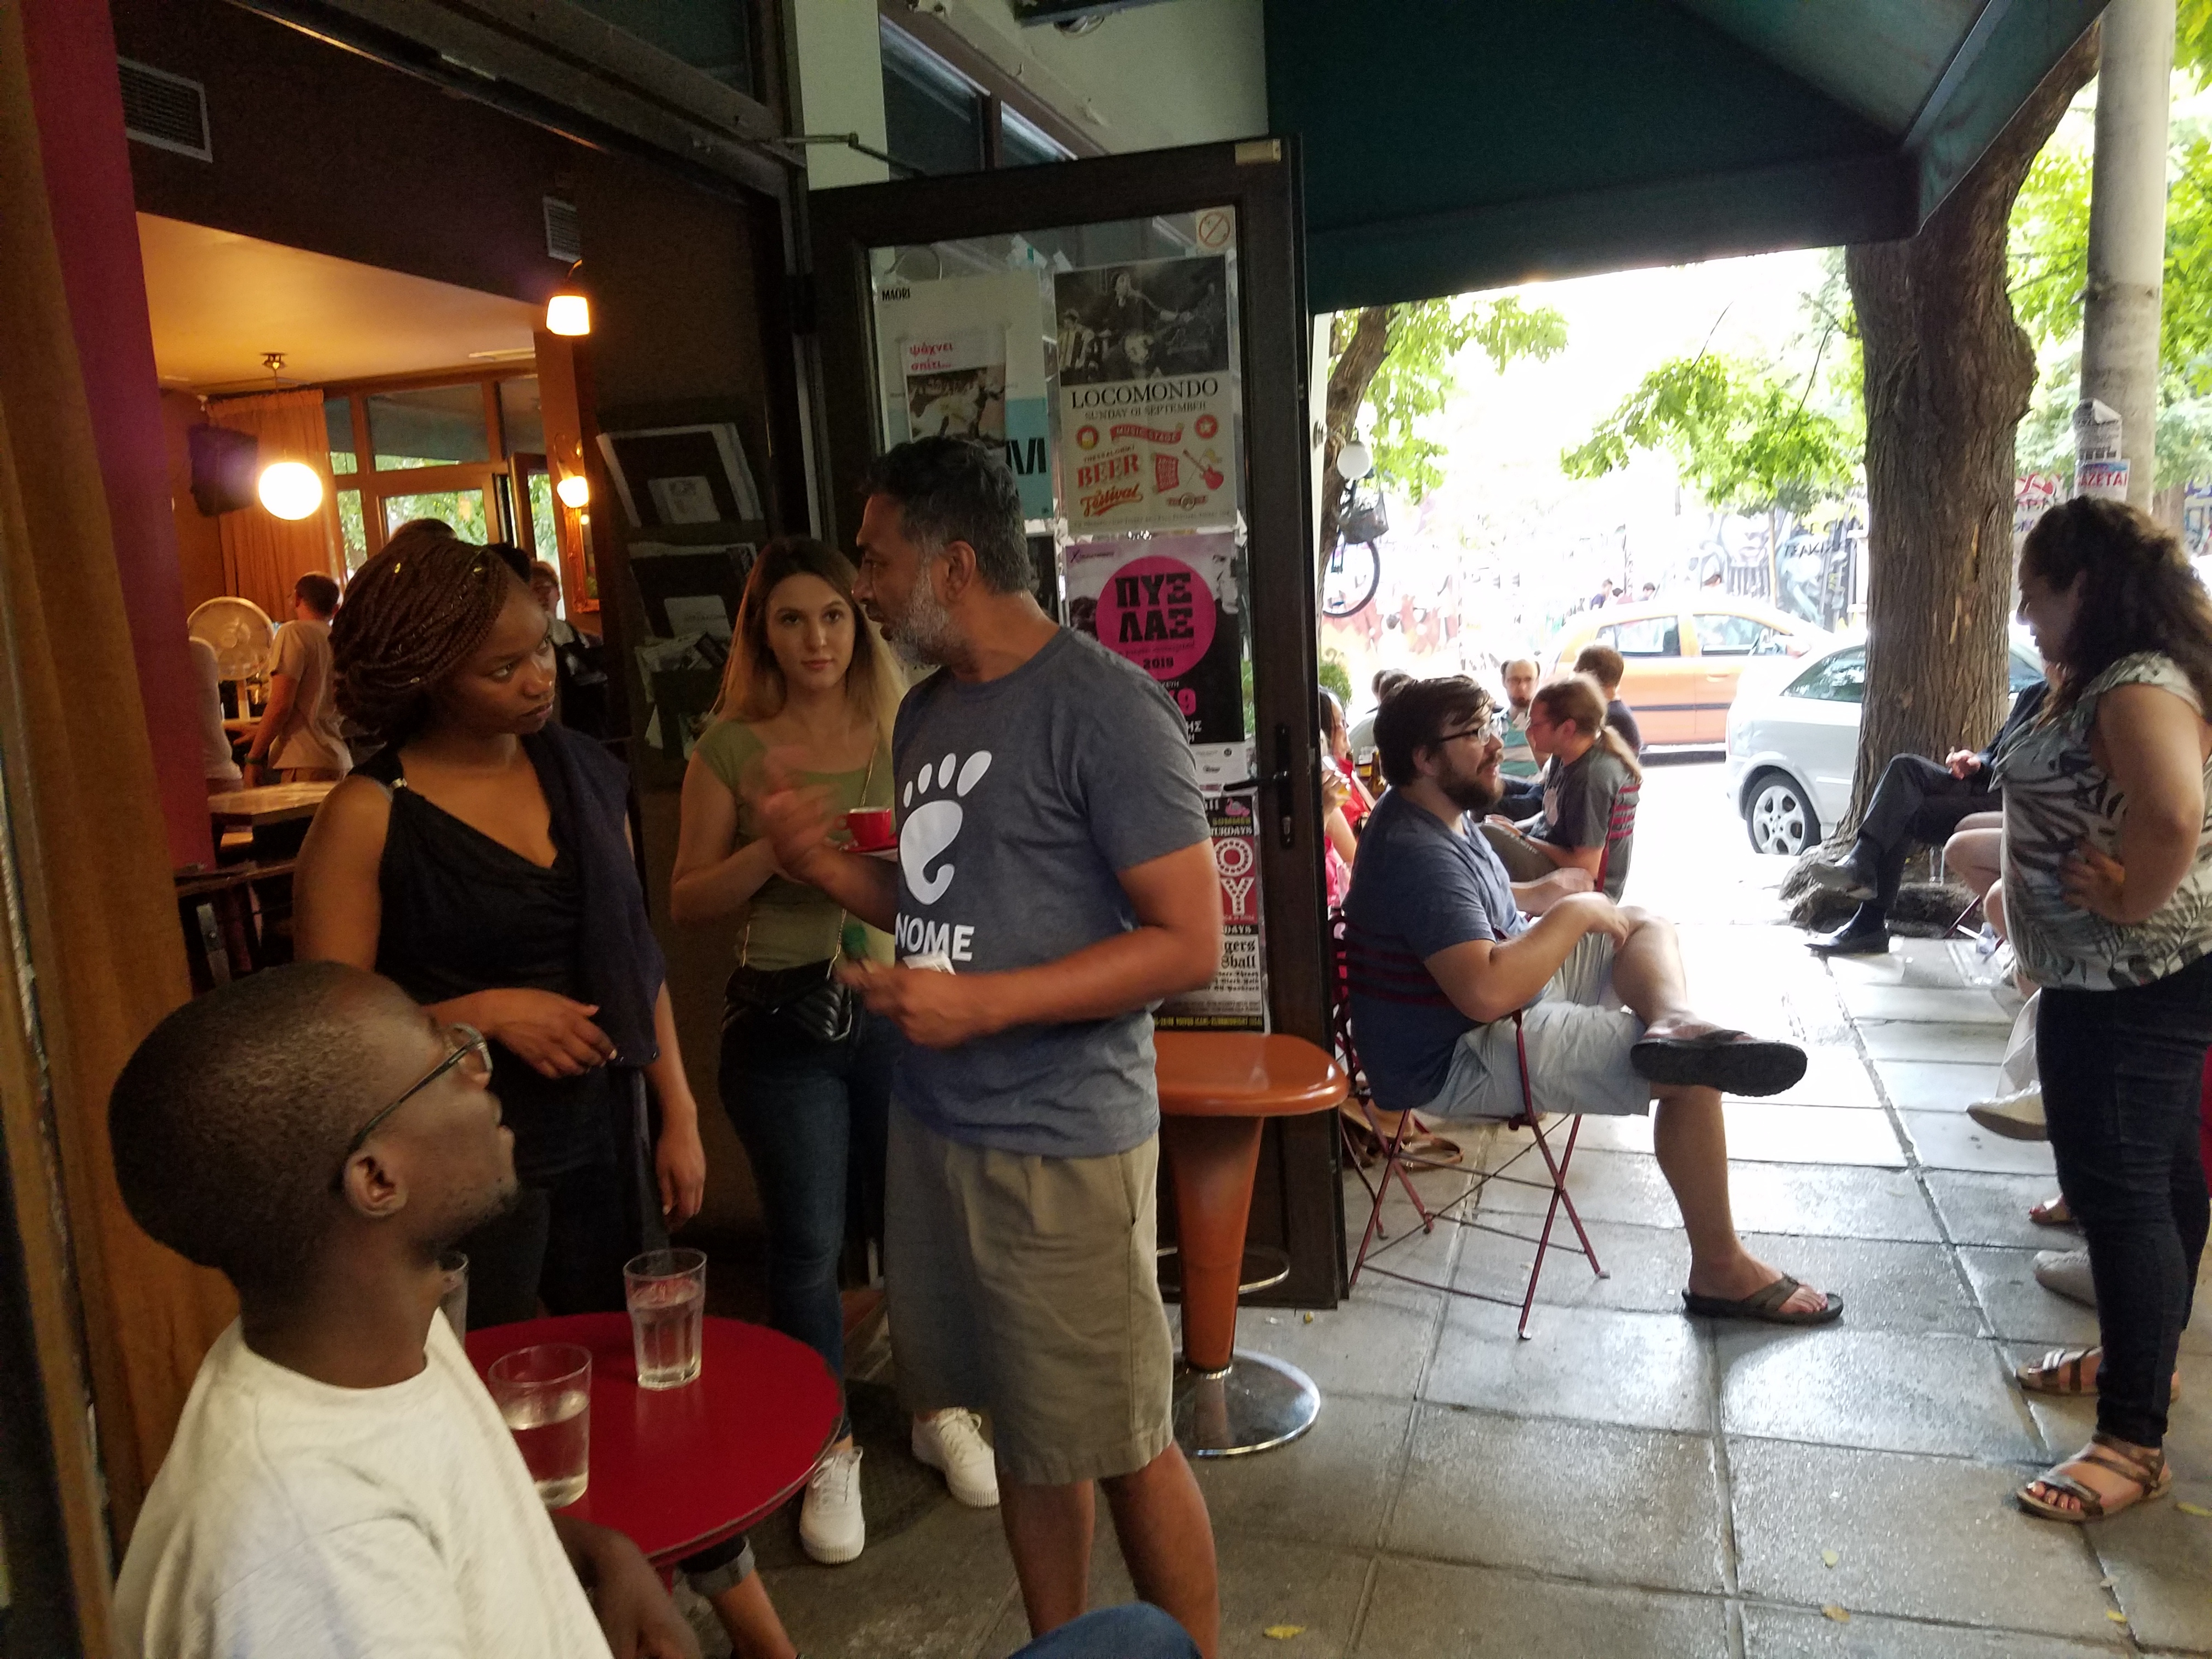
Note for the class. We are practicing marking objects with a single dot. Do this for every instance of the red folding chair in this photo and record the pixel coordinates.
(1382, 977)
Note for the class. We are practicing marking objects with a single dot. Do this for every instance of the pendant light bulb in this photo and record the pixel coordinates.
(290, 489)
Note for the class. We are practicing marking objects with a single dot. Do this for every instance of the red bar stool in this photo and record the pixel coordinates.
(1215, 1089)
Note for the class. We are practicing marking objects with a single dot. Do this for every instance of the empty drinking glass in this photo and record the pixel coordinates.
(667, 1294)
(453, 1299)
(544, 1394)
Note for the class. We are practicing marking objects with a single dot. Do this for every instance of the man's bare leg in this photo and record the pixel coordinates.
(1048, 1535)
(1687, 1130)
(1167, 1541)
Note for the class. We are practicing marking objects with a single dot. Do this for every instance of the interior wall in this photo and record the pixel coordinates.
(78, 106)
(1150, 78)
(199, 539)
(318, 149)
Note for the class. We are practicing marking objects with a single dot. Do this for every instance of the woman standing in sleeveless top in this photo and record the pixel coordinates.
(2108, 897)
(806, 1072)
(482, 859)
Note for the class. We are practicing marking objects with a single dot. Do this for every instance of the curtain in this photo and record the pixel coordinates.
(261, 554)
(98, 906)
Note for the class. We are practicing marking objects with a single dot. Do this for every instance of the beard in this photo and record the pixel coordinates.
(926, 635)
(1472, 792)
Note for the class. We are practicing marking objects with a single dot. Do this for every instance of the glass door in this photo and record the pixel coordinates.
(1133, 330)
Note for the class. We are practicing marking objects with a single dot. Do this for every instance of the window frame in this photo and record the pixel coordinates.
(1673, 636)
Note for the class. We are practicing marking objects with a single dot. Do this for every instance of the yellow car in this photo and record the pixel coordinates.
(1683, 654)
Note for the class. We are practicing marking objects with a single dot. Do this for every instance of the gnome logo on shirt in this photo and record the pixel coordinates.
(932, 827)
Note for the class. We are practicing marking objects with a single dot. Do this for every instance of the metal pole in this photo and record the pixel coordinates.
(2127, 229)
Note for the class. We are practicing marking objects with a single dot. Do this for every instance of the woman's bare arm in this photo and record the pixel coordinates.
(2154, 746)
(711, 881)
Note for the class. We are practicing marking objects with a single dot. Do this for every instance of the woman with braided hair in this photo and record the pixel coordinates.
(481, 859)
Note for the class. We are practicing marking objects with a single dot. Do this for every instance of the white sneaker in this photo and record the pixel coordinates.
(831, 1525)
(2015, 1117)
(2067, 1273)
(953, 1441)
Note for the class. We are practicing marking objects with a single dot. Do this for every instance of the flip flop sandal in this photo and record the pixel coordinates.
(1764, 1305)
(2148, 1472)
(2051, 1212)
(1731, 1061)
(2071, 1372)
(1427, 1145)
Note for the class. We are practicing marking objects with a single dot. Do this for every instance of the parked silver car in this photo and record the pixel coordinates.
(1793, 742)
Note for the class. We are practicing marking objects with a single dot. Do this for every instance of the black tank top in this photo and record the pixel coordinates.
(462, 913)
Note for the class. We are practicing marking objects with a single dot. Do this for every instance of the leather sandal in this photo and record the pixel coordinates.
(2051, 1212)
(2146, 1470)
(2070, 1371)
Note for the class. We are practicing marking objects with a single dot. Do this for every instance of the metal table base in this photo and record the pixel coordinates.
(1259, 1403)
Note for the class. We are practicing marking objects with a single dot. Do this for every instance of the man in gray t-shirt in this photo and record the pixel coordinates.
(1055, 881)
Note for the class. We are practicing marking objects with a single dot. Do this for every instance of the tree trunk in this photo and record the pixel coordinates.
(1948, 376)
(1348, 382)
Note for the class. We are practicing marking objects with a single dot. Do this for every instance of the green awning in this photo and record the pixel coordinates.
(1470, 143)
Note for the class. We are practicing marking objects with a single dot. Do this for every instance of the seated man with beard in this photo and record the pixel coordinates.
(1443, 959)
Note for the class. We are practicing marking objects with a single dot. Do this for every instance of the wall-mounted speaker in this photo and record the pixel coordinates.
(224, 465)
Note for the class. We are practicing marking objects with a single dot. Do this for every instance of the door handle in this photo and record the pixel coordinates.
(1285, 809)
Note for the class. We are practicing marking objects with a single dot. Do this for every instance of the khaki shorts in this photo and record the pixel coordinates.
(1026, 1287)
(1578, 1038)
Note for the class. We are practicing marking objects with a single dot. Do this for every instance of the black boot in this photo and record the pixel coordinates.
(1852, 875)
(1866, 935)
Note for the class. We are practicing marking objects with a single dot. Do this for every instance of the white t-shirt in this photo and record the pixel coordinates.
(295, 1520)
(313, 740)
(215, 742)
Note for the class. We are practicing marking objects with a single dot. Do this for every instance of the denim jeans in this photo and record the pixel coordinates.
(2123, 1073)
(812, 1116)
(1135, 1629)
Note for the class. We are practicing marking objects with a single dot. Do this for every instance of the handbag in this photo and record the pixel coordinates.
(807, 1001)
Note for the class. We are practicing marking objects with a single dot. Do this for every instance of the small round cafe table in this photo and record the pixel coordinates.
(1216, 1089)
(678, 1469)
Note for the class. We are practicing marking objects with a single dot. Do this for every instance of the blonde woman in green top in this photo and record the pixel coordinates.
(805, 1073)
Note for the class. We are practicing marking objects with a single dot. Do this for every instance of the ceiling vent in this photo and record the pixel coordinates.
(164, 110)
(564, 240)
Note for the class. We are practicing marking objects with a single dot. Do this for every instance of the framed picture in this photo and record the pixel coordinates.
(680, 475)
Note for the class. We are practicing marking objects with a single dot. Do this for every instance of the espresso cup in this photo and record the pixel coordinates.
(869, 828)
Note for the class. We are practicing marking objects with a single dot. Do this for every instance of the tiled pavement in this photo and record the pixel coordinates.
(1631, 1481)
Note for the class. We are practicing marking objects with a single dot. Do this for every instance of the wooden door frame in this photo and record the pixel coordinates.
(1300, 1193)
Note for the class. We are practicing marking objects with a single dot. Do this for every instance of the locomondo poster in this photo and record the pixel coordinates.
(1147, 396)
(1174, 606)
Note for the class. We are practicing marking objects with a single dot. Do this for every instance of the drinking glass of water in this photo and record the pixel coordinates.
(544, 1394)
(667, 1294)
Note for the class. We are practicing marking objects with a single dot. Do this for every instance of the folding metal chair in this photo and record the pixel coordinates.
(1382, 977)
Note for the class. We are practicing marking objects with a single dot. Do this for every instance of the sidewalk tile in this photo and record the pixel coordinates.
(1952, 1140)
(1923, 1537)
(1940, 1395)
(933, 1590)
(1777, 1134)
(1834, 1076)
(1330, 1485)
(1935, 1085)
(1886, 1286)
(1422, 1607)
(1645, 1267)
(1580, 1500)
(1807, 1633)
(1958, 1042)
(1829, 1201)
(1377, 1342)
(1992, 1209)
(1869, 999)
(2160, 1558)
(1263, 1584)
(2022, 1310)
(1606, 1186)
(1645, 1371)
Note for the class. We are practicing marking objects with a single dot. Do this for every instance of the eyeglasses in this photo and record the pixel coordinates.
(472, 1052)
(1480, 731)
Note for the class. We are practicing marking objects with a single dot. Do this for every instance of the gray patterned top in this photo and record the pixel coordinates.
(2055, 797)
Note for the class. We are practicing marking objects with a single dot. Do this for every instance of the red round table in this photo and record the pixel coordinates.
(678, 1469)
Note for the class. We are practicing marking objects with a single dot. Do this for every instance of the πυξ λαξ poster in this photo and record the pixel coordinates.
(1174, 606)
